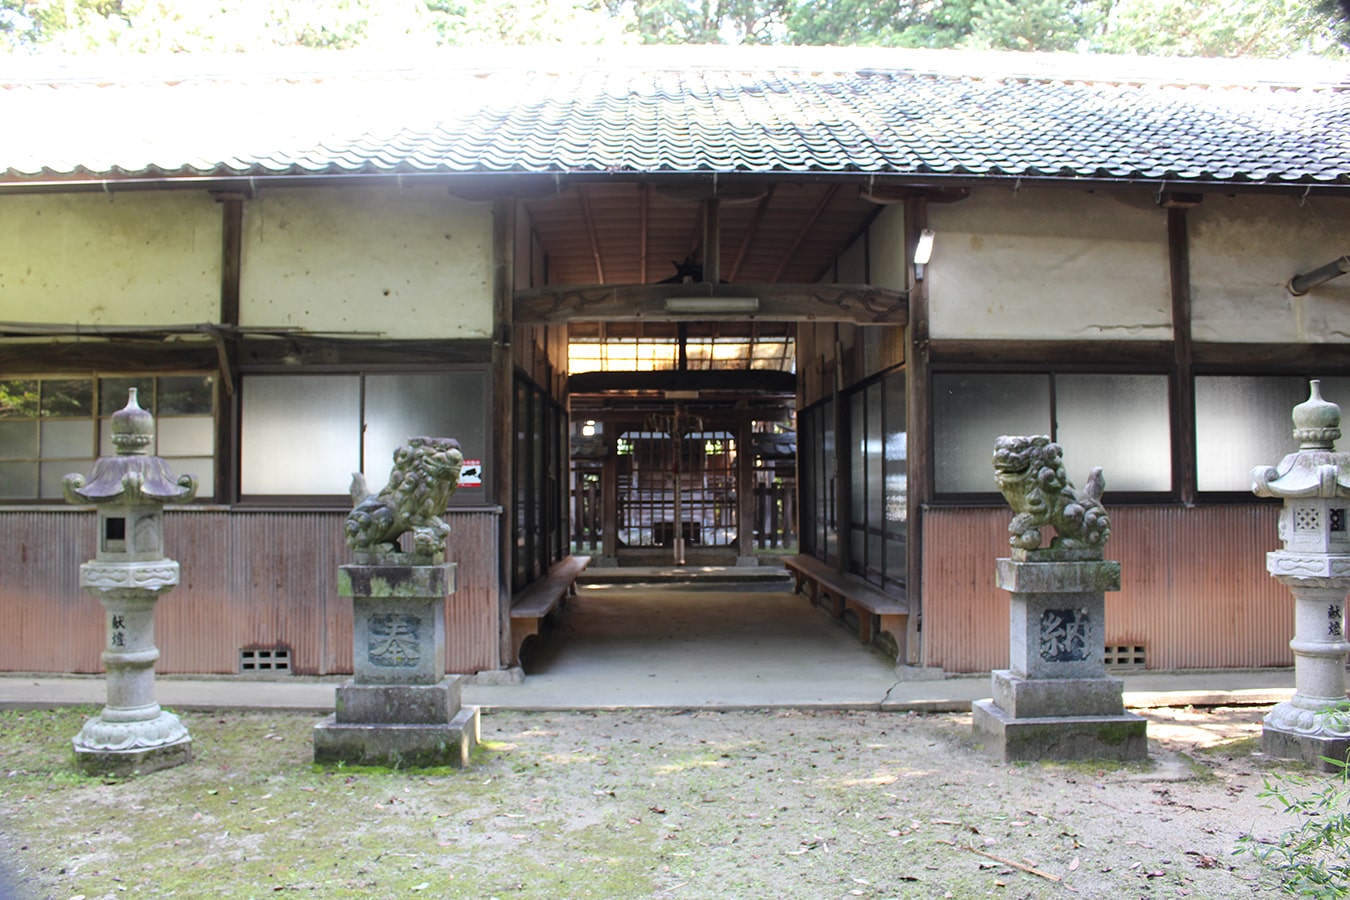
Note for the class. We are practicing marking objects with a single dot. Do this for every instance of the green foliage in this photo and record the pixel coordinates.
(1313, 857)
(1275, 28)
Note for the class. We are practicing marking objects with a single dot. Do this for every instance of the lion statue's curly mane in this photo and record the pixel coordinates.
(1030, 473)
(425, 475)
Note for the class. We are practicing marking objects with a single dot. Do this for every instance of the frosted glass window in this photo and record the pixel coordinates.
(970, 411)
(1242, 422)
(896, 451)
(423, 404)
(299, 434)
(18, 440)
(18, 480)
(203, 468)
(187, 436)
(51, 474)
(1119, 422)
(67, 439)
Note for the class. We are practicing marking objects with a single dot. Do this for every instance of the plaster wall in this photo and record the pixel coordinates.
(402, 263)
(888, 249)
(1244, 250)
(1049, 264)
(110, 259)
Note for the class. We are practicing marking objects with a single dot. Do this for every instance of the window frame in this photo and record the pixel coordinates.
(376, 477)
(98, 420)
(958, 499)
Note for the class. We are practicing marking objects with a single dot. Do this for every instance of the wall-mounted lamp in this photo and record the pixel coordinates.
(712, 304)
(1301, 284)
(923, 251)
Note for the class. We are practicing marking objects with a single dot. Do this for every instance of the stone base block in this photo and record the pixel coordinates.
(138, 761)
(398, 746)
(1034, 698)
(399, 704)
(1123, 737)
(1312, 748)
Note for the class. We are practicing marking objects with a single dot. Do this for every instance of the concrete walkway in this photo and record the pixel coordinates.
(714, 646)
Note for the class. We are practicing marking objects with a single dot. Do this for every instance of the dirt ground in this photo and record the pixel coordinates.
(766, 804)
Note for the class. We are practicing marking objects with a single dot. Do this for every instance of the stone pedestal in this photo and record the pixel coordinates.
(1056, 701)
(132, 734)
(400, 709)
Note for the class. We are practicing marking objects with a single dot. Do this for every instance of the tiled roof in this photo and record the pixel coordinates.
(932, 115)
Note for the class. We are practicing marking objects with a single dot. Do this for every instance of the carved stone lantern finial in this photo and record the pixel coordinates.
(1314, 562)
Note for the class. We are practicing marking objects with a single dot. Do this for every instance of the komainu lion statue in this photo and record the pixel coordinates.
(425, 475)
(1030, 473)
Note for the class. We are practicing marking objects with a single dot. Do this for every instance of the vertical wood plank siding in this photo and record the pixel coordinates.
(249, 579)
(1194, 588)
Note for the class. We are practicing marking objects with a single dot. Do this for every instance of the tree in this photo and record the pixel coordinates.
(1265, 28)
(1038, 25)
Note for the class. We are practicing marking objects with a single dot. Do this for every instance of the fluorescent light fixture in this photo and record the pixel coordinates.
(682, 395)
(923, 252)
(712, 304)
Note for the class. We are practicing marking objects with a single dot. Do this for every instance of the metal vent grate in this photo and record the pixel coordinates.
(1124, 656)
(273, 659)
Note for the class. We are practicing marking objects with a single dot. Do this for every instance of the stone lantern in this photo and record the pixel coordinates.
(1314, 563)
(128, 574)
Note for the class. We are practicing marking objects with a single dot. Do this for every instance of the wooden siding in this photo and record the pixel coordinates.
(249, 580)
(1194, 588)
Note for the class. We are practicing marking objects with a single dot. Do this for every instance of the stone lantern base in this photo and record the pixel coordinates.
(106, 746)
(1312, 735)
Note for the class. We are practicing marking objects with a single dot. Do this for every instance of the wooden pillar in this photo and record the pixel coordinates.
(609, 493)
(712, 242)
(919, 426)
(226, 473)
(745, 486)
(1183, 380)
(503, 396)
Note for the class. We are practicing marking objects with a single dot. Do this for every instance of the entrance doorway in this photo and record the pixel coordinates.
(683, 442)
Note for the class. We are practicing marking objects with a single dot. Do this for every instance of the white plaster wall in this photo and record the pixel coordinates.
(1244, 250)
(888, 248)
(1047, 264)
(852, 264)
(135, 258)
(398, 262)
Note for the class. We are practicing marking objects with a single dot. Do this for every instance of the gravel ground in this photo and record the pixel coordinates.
(696, 804)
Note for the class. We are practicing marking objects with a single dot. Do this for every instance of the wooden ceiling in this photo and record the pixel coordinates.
(637, 233)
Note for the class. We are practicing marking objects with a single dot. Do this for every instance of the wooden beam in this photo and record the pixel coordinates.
(791, 254)
(1060, 354)
(860, 304)
(751, 232)
(754, 381)
(590, 233)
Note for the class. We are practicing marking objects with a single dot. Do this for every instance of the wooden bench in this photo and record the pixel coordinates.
(533, 603)
(839, 592)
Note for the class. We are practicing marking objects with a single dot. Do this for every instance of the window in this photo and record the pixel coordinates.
(304, 435)
(52, 427)
(878, 452)
(818, 477)
(1117, 421)
(1243, 421)
(540, 518)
